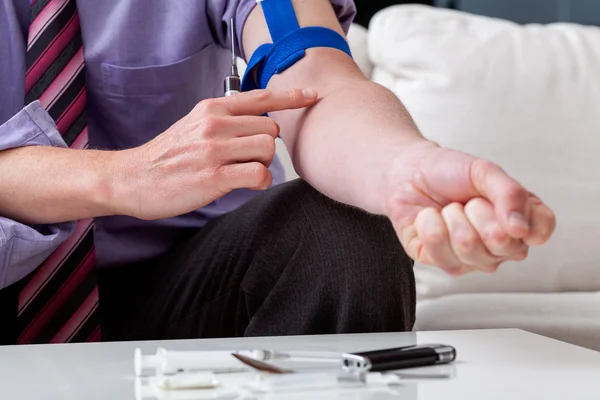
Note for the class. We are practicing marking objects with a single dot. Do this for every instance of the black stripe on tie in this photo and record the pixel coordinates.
(9, 304)
(75, 129)
(37, 7)
(58, 65)
(52, 287)
(50, 32)
(65, 99)
(87, 328)
(65, 312)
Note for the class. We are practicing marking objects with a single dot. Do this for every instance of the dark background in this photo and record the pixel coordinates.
(585, 12)
(367, 8)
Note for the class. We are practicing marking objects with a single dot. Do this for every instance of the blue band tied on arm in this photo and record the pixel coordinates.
(289, 44)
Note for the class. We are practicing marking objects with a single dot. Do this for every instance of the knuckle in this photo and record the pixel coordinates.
(269, 144)
(208, 106)
(211, 124)
(496, 237)
(261, 95)
(452, 211)
(273, 128)
(260, 176)
(483, 166)
(211, 149)
(479, 202)
(430, 228)
(453, 207)
(259, 172)
(222, 177)
(434, 236)
(466, 242)
(219, 175)
(475, 205)
(480, 168)
(292, 95)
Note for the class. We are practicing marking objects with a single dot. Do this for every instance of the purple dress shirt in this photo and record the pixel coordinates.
(148, 63)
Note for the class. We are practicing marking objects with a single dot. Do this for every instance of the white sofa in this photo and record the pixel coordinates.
(528, 98)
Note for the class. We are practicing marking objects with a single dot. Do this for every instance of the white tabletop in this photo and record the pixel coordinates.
(491, 364)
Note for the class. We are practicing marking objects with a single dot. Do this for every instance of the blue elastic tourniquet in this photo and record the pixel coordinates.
(289, 44)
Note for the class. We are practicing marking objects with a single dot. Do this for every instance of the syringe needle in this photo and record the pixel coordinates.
(234, 68)
(233, 81)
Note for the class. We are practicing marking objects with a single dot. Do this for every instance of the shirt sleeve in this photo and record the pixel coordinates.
(221, 12)
(24, 247)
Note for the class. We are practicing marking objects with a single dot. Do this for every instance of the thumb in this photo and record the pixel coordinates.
(509, 198)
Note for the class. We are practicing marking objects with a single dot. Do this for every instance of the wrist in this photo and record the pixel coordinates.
(402, 171)
(117, 188)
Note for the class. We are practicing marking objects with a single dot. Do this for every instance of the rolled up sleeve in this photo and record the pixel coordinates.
(221, 12)
(24, 247)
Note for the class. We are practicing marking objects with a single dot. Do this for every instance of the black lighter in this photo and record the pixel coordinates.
(399, 358)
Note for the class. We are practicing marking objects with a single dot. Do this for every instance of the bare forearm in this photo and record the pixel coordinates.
(42, 184)
(344, 145)
(218, 147)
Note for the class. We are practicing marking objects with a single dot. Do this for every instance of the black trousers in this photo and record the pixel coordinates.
(291, 261)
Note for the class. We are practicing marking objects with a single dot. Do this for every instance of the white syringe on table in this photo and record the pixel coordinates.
(166, 362)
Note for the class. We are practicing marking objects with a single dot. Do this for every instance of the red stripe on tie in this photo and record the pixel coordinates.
(82, 314)
(45, 17)
(36, 325)
(62, 81)
(51, 53)
(73, 111)
(52, 264)
(54, 293)
(81, 141)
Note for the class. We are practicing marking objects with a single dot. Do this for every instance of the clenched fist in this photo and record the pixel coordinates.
(221, 145)
(462, 213)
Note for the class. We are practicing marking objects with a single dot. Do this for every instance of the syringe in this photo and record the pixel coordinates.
(167, 362)
(233, 82)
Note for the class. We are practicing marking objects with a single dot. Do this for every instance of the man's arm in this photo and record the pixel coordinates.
(44, 182)
(358, 145)
(194, 162)
(23, 246)
(344, 145)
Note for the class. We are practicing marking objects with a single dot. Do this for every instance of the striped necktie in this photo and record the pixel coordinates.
(59, 300)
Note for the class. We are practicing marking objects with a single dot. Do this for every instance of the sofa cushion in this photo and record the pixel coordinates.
(525, 97)
(570, 317)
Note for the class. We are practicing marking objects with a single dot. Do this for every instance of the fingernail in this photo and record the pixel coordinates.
(517, 220)
(309, 93)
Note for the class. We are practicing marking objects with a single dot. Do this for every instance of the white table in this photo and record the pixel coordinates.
(491, 364)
